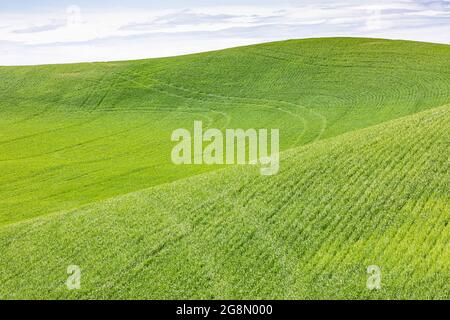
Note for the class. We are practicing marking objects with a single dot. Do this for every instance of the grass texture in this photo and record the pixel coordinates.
(86, 176)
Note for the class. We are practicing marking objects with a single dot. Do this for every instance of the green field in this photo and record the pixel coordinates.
(86, 177)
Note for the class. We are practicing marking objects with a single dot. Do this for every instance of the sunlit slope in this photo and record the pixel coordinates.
(76, 134)
(378, 196)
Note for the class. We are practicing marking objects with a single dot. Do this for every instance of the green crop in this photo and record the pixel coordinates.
(86, 177)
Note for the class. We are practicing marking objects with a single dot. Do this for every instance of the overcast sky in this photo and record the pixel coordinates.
(60, 31)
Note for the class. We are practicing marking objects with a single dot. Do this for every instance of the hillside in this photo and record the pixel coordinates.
(86, 176)
(71, 135)
(378, 196)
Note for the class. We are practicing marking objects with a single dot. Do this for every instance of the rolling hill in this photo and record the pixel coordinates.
(86, 176)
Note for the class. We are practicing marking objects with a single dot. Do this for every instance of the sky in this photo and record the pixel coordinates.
(66, 31)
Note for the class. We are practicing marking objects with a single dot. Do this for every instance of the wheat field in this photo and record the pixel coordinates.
(86, 177)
